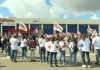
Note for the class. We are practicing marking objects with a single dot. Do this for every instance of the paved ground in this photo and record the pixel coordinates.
(6, 64)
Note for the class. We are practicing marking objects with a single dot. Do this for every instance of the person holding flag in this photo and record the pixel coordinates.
(58, 27)
(22, 26)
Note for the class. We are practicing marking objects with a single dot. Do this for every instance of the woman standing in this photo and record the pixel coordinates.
(23, 46)
(62, 47)
(53, 51)
(42, 48)
(73, 49)
(47, 46)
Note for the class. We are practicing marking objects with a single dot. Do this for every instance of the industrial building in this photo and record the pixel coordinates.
(8, 24)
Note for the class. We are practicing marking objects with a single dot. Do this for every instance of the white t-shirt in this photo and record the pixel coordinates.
(96, 42)
(71, 46)
(14, 43)
(23, 43)
(41, 42)
(47, 46)
(84, 45)
(62, 45)
(53, 46)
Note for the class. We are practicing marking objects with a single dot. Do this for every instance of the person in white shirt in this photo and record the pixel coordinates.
(62, 47)
(14, 47)
(47, 46)
(23, 46)
(85, 43)
(53, 51)
(96, 44)
(42, 50)
(73, 49)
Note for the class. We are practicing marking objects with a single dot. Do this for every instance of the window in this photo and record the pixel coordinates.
(72, 28)
(5, 28)
(48, 28)
(34, 26)
(64, 27)
(83, 28)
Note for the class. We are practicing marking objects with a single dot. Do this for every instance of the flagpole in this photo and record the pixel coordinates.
(19, 31)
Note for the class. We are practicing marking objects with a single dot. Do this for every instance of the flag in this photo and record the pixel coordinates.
(58, 27)
(94, 32)
(89, 29)
(22, 26)
(36, 31)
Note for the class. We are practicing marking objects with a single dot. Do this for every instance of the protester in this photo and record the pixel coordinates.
(73, 49)
(2, 44)
(84, 43)
(47, 46)
(23, 46)
(53, 51)
(62, 49)
(14, 47)
(32, 48)
(42, 50)
(96, 44)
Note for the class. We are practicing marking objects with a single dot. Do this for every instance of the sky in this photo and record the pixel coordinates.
(51, 9)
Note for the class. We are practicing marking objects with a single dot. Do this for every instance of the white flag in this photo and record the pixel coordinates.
(58, 27)
(94, 32)
(89, 29)
(22, 26)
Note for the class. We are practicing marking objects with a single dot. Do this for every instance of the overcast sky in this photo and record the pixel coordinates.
(63, 9)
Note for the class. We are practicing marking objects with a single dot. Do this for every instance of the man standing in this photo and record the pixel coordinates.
(14, 41)
(84, 44)
(32, 47)
(96, 44)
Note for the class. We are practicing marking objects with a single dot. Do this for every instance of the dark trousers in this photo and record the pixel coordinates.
(24, 51)
(42, 54)
(48, 55)
(9, 51)
(62, 55)
(53, 54)
(13, 55)
(83, 57)
(97, 56)
(2, 46)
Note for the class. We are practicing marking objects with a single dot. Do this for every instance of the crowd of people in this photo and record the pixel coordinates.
(50, 45)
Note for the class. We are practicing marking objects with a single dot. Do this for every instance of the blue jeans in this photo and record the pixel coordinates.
(24, 51)
(13, 55)
(97, 55)
(9, 51)
(83, 57)
(62, 56)
(55, 58)
(48, 54)
(42, 54)
(2, 46)
(73, 55)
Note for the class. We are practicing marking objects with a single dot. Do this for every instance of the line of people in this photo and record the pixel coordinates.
(50, 45)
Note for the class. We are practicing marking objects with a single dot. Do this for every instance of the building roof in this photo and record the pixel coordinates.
(12, 21)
